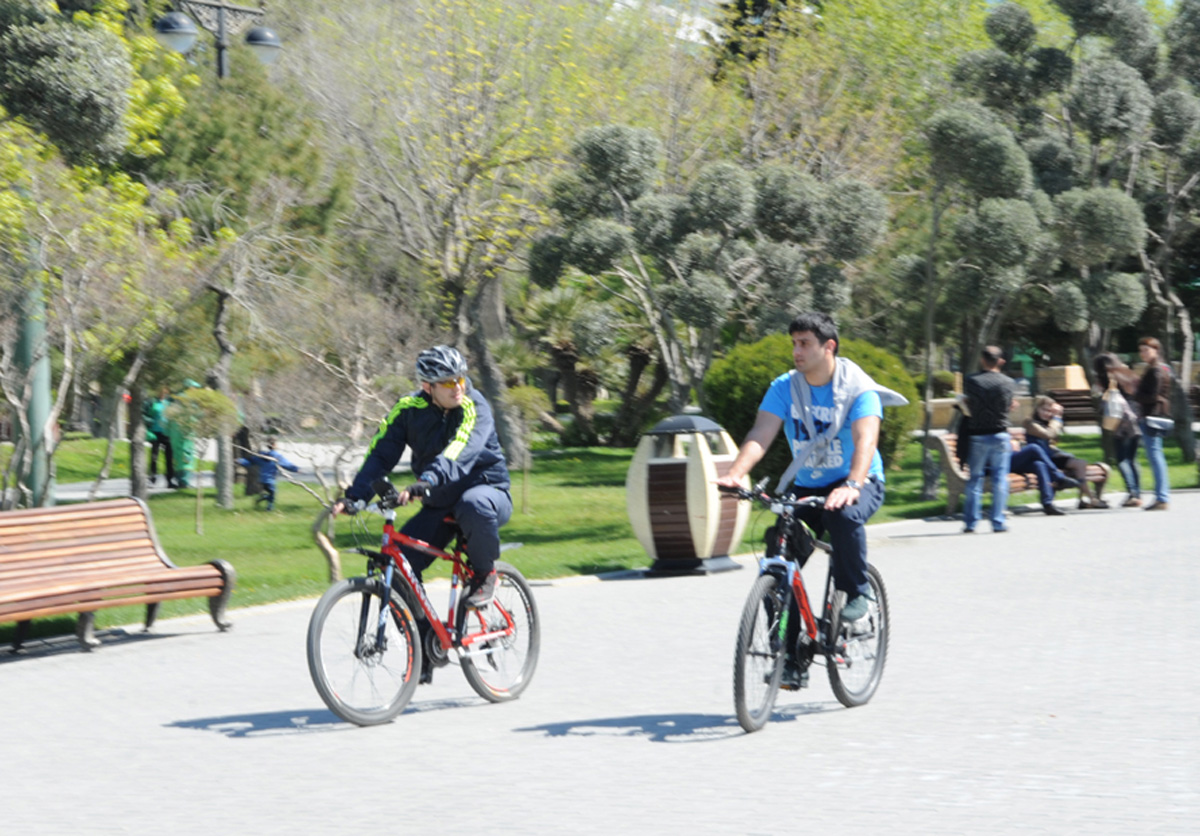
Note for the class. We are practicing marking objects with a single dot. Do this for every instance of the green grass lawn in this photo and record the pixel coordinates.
(577, 524)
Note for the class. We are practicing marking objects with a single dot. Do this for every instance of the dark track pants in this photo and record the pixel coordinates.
(847, 534)
(479, 512)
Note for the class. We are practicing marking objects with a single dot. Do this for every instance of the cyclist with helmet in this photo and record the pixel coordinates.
(458, 462)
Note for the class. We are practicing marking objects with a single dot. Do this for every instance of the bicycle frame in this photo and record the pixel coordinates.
(447, 632)
(791, 573)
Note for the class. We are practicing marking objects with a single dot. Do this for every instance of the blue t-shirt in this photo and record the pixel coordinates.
(778, 402)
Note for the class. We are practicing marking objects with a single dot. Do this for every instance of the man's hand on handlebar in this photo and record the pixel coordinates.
(345, 505)
(417, 490)
(842, 496)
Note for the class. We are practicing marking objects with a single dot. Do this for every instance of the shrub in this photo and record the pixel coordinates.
(736, 383)
(943, 384)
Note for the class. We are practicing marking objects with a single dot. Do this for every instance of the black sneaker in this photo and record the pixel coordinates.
(483, 594)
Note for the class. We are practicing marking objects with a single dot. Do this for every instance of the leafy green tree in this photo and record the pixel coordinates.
(1108, 124)
(737, 247)
(200, 414)
(455, 112)
(79, 239)
(974, 161)
(841, 90)
(244, 156)
(530, 402)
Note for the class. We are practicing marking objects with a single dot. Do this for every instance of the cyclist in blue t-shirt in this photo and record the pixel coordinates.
(831, 412)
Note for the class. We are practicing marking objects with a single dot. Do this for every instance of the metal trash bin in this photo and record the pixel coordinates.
(676, 511)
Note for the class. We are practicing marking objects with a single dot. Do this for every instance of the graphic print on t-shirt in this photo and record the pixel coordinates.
(833, 457)
(830, 455)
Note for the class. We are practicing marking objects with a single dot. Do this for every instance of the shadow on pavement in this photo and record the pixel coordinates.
(671, 728)
(267, 724)
(273, 723)
(58, 645)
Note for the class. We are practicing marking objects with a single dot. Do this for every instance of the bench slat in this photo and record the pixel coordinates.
(131, 567)
(44, 611)
(62, 516)
(100, 581)
(82, 534)
(67, 556)
(43, 579)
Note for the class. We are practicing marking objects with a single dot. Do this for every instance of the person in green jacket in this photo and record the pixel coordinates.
(155, 418)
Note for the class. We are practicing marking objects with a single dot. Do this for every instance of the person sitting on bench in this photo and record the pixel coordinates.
(1043, 428)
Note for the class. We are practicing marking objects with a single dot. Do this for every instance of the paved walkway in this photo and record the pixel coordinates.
(1044, 680)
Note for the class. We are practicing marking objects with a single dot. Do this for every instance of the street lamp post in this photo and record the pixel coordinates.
(177, 31)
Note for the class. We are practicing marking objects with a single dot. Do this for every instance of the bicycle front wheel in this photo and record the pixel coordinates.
(364, 676)
(500, 668)
(758, 658)
(859, 649)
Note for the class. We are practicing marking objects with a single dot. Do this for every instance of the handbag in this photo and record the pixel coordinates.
(1160, 424)
(1114, 406)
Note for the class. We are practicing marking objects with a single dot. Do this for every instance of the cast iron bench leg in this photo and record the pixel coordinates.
(85, 630)
(216, 604)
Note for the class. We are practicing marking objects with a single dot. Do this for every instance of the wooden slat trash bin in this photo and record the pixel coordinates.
(676, 511)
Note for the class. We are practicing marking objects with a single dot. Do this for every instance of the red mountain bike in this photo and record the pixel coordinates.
(364, 653)
(853, 652)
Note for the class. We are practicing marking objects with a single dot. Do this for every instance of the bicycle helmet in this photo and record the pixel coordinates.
(440, 363)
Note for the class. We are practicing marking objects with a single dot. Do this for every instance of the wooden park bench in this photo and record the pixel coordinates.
(81, 558)
(956, 474)
(1078, 406)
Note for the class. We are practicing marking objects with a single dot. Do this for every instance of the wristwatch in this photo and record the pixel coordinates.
(852, 483)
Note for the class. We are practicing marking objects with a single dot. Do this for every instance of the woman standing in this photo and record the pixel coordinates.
(1112, 372)
(1153, 398)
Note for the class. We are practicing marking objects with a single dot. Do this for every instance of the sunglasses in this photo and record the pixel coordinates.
(452, 382)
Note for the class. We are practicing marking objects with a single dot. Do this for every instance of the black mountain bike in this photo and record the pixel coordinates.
(853, 652)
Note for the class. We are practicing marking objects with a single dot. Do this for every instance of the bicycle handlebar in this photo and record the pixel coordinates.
(759, 494)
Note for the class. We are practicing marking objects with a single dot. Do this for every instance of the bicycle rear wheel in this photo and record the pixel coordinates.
(500, 669)
(758, 658)
(859, 648)
(363, 680)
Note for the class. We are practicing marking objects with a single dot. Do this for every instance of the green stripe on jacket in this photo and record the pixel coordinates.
(455, 447)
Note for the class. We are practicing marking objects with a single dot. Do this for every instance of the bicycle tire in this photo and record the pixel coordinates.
(858, 653)
(758, 657)
(506, 666)
(373, 686)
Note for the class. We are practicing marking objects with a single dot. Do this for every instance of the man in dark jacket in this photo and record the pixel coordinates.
(458, 462)
(989, 400)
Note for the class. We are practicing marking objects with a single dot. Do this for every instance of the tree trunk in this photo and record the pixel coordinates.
(218, 379)
(578, 393)
(634, 408)
(490, 380)
(137, 446)
(929, 468)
